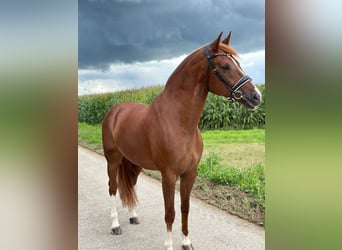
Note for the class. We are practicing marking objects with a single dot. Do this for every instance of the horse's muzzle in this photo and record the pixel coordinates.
(251, 101)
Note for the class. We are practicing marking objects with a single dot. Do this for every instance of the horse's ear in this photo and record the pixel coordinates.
(227, 39)
(215, 44)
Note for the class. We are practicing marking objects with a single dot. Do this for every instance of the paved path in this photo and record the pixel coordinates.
(209, 227)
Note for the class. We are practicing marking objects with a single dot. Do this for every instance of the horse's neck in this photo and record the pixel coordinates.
(185, 94)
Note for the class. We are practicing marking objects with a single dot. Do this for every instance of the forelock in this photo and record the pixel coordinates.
(226, 48)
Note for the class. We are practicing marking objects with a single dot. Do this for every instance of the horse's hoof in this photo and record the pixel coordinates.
(188, 247)
(134, 220)
(116, 230)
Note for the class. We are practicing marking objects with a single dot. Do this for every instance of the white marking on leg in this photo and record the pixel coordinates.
(132, 213)
(168, 242)
(113, 212)
(186, 241)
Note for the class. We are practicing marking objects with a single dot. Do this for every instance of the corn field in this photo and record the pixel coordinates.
(219, 113)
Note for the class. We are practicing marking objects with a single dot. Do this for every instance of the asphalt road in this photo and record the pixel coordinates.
(209, 227)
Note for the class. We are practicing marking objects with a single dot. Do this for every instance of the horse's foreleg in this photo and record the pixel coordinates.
(187, 181)
(169, 183)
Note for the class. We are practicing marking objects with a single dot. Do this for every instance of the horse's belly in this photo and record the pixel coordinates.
(137, 155)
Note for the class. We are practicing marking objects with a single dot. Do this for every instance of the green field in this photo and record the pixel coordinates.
(90, 136)
(237, 148)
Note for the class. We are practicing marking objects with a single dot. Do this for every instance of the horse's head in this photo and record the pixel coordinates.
(225, 76)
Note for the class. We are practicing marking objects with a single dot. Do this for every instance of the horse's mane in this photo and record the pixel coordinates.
(226, 48)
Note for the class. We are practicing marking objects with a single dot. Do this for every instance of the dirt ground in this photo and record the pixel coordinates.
(229, 199)
(224, 197)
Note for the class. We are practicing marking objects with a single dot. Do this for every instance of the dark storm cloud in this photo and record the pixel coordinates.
(136, 30)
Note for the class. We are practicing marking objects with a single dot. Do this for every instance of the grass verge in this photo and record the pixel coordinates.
(250, 180)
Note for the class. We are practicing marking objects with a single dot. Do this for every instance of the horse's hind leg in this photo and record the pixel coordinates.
(129, 176)
(113, 163)
(187, 181)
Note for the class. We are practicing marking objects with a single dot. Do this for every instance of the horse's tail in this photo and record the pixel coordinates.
(127, 178)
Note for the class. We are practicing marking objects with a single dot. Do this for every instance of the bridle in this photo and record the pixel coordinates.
(235, 93)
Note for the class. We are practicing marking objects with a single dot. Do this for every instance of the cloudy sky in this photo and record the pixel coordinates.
(133, 43)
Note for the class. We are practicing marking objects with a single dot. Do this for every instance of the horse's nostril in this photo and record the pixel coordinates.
(256, 96)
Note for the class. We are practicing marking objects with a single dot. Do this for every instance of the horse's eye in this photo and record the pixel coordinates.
(225, 67)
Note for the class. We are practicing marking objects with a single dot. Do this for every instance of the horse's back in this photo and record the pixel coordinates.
(121, 115)
(123, 108)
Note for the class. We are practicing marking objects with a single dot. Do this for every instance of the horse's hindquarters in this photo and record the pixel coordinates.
(124, 129)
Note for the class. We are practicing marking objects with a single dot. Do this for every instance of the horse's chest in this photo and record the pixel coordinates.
(181, 151)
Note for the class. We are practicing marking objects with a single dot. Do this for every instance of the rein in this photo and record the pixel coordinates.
(235, 93)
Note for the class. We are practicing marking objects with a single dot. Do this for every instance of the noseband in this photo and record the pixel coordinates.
(235, 93)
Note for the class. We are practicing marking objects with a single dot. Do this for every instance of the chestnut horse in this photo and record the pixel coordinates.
(164, 135)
